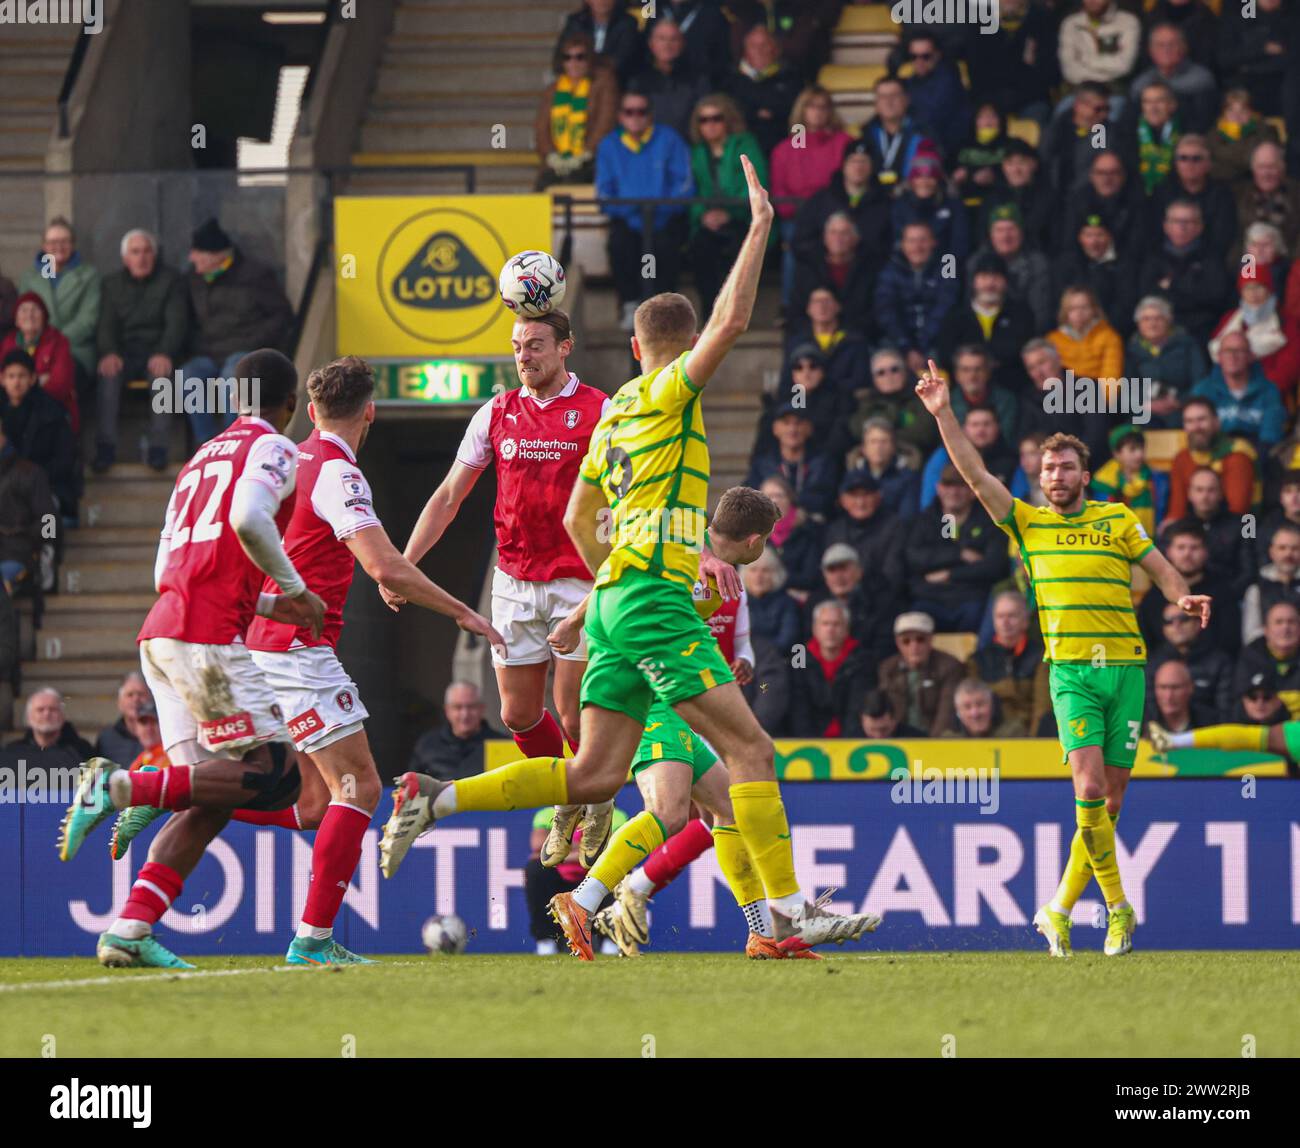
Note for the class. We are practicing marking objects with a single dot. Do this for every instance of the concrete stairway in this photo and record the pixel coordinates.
(33, 60)
(87, 640)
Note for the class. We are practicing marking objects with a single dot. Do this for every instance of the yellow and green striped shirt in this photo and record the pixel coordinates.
(650, 456)
(1079, 568)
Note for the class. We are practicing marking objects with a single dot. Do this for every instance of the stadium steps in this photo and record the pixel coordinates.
(863, 40)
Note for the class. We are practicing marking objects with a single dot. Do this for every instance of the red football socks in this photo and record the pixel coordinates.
(334, 859)
(542, 739)
(153, 892)
(666, 862)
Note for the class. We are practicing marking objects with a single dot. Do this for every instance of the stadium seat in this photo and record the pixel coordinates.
(868, 18)
(1162, 445)
(960, 645)
(1024, 129)
(850, 77)
(1215, 6)
(1278, 124)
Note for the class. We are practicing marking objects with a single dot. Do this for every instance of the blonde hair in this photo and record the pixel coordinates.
(731, 113)
(810, 93)
(665, 322)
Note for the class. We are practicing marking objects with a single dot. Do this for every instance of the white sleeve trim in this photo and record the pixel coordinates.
(476, 447)
(341, 497)
(272, 462)
(744, 647)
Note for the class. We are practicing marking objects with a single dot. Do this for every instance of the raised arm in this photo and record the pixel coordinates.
(933, 392)
(735, 303)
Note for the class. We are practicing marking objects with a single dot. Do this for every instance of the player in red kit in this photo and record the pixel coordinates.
(537, 434)
(221, 538)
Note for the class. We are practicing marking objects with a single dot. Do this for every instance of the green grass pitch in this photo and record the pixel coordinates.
(665, 1004)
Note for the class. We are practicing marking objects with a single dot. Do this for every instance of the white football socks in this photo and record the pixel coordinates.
(590, 894)
(638, 882)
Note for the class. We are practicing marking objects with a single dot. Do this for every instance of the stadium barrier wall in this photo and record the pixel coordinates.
(1209, 864)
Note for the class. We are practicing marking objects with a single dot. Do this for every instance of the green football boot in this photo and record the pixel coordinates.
(145, 953)
(91, 805)
(1056, 928)
(1119, 932)
(306, 951)
(132, 821)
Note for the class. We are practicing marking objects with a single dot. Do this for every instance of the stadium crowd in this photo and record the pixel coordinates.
(1146, 238)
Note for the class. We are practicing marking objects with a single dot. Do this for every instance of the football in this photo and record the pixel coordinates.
(532, 283)
(445, 935)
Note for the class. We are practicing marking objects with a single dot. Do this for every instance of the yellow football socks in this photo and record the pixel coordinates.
(1098, 834)
(1231, 737)
(633, 843)
(760, 817)
(1078, 872)
(737, 865)
(527, 784)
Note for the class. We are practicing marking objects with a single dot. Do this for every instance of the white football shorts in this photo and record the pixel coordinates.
(320, 702)
(525, 613)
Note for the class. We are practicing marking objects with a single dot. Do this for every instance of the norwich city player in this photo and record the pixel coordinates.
(1077, 556)
(637, 517)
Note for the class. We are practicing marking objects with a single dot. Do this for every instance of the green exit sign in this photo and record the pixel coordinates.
(442, 381)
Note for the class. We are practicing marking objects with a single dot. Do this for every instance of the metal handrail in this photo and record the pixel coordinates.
(79, 51)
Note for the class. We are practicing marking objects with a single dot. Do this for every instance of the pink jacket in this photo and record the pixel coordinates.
(806, 170)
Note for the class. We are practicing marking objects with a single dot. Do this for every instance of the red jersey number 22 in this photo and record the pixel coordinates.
(205, 527)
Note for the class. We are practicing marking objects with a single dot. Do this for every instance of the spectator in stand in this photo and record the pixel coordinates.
(919, 680)
(892, 397)
(869, 613)
(1192, 83)
(1024, 483)
(1211, 668)
(1109, 194)
(826, 407)
(1278, 581)
(1265, 245)
(1074, 138)
(38, 430)
(871, 530)
(50, 741)
(845, 266)
(1011, 664)
(8, 301)
(650, 161)
(50, 351)
(1156, 134)
(805, 163)
(1173, 699)
(853, 192)
(847, 355)
(954, 554)
(892, 136)
(121, 742)
(25, 508)
(614, 33)
(455, 748)
(979, 159)
(1286, 513)
(1088, 345)
(1165, 354)
(1275, 655)
(768, 691)
(719, 140)
(1269, 196)
(796, 539)
(1231, 557)
(812, 475)
(1191, 180)
(668, 81)
(1093, 261)
(981, 426)
(826, 694)
(1186, 271)
(1126, 478)
(1018, 185)
(1253, 50)
(1248, 404)
(1197, 22)
(1099, 44)
(935, 93)
(577, 110)
(913, 296)
(1185, 545)
(988, 318)
(804, 28)
(70, 288)
(143, 324)
(1239, 128)
(1015, 66)
(925, 199)
(765, 87)
(705, 26)
(1044, 412)
(237, 305)
(977, 713)
(1028, 272)
(1231, 458)
(1274, 341)
(972, 371)
(773, 614)
(879, 720)
(877, 455)
(1258, 702)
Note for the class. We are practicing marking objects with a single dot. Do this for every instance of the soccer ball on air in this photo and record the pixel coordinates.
(445, 935)
(532, 283)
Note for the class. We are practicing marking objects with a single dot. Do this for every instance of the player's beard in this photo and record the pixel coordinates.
(539, 381)
(1060, 501)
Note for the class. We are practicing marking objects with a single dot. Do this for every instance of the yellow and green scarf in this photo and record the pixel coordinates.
(569, 115)
(1156, 152)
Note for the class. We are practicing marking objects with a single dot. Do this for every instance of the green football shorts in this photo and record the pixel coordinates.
(1099, 705)
(668, 738)
(645, 642)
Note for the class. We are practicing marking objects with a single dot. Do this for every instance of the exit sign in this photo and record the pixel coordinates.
(442, 382)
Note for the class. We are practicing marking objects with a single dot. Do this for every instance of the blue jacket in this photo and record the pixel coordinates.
(660, 170)
(910, 305)
(946, 215)
(1258, 414)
